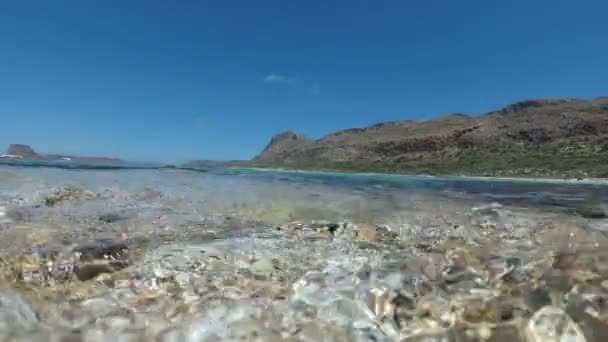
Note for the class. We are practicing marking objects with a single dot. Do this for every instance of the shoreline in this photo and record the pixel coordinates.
(383, 176)
(585, 181)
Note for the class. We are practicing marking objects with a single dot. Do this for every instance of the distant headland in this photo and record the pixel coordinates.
(20, 151)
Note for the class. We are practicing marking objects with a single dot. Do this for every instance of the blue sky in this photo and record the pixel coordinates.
(180, 80)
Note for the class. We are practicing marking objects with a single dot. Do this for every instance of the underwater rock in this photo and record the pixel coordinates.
(488, 209)
(110, 218)
(369, 233)
(16, 214)
(326, 228)
(386, 234)
(592, 212)
(89, 271)
(365, 232)
(537, 298)
(103, 249)
(380, 301)
(262, 267)
(590, 315)
(295, 228)
(15, 312)
(552, 324)
(149, 194)
(68, 194)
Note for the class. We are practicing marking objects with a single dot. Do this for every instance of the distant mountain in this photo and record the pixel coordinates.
(282, 146)
(26, 152)
(561, 137)
(23, 151)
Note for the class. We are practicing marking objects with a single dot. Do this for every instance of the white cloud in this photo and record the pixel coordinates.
(276, 78)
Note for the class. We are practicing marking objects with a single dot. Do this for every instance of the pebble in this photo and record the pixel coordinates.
(110, 218)
(365, 232)
(90, 271)
(15, 312)
(552, 324)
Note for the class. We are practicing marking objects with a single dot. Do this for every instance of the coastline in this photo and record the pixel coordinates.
(330, 172)
(586, 181)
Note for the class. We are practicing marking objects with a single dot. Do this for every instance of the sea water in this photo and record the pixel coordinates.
(144, 252)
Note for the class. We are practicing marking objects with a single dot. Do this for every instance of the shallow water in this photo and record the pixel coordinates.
(178, 255)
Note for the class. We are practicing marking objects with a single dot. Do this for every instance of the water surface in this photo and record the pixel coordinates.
(216, 254)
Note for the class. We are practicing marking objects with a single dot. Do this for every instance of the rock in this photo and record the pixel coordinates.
(66, 316)
(311, 290)
(432, 265)
(369, 232)
(90, 271)
(110, 218)
(23, 151)
(295, 229)
(149, 195)
(17, 214)
(380, 302)
(172, 334)
(172, 260)
(521, 233)
(489, 209)
(593, 325)
(552, 324)
(100, 305)
(537, 298)
(15, 312)
(325, 230)
(365, 232)
(319, 225)
(68, 194)
(385, 233)
(592, 212)
(262, 267)
(333, 228)
(102, 250)
(295, 226)
(482, 309)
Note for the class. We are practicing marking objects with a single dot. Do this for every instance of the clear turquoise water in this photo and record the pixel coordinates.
(540, 192)
(165, 214)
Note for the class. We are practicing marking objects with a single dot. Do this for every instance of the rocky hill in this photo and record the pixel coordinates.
(282, 146)
(26, 152)
(23, 151)
(552, 137)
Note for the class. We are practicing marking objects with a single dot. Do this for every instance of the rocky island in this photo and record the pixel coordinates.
(19, 151)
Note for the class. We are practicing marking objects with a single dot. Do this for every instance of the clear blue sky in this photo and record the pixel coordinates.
(178, 80)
